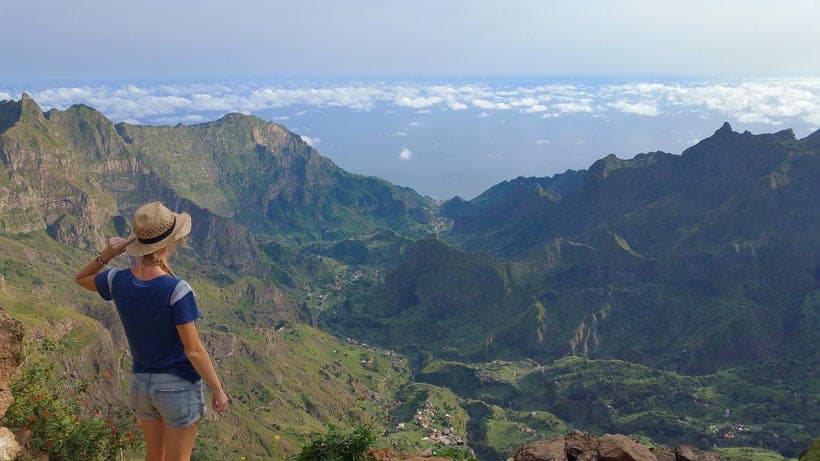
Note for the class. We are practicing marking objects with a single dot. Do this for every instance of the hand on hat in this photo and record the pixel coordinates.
(116, 246)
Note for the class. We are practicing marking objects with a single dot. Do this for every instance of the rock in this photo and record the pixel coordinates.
(9, 448)
(687, 453)
(551, 449)
(580, 446)
(382, 454)
(11, 348)
(621, 448)
(663, 453)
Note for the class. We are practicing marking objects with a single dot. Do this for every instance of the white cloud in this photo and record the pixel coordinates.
(813, 118)
(484, 104)
(483, 115)
(570, 107)
(312, 142)
(405, 154)
(536, 108)
(401, 133)
(280, 118)
(639, 108)
(419, 102)
(770, 101)
(542, 142)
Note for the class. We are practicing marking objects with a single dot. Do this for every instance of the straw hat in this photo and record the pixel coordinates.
(155, 227)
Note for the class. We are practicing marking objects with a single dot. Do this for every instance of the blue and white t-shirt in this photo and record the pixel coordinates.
(150, 310)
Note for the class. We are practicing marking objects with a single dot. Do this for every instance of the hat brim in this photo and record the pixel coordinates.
(181, 230)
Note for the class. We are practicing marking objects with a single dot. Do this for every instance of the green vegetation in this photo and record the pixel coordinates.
(750, 454)
(673, 298)
(55, 416)
(813, 453)
(336, 445)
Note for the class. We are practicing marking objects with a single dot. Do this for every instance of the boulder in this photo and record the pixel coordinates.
(9, 448)
(551, 449)
(663, 453)
(580, 446)
(621, 448)
(687, 453)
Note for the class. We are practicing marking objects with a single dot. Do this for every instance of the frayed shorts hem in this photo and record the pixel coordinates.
(178, 402)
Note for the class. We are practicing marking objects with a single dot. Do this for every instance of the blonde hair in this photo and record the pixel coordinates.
(158, 258)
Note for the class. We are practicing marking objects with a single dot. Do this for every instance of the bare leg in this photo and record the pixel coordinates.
(154, 431)
(180, 442)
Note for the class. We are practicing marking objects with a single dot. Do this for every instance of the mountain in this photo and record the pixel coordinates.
(254, 190)
(75, 165)
(271, 181)
(698, 264)
(647, 296)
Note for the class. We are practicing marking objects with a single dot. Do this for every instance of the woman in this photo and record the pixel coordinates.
(158, 312)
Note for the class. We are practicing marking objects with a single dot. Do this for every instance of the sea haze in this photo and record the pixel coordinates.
(459, 136)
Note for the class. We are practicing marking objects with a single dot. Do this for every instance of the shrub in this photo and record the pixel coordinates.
(336, 445)
(54, 417)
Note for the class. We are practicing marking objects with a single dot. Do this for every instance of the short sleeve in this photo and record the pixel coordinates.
(183, 304)
(104, 281)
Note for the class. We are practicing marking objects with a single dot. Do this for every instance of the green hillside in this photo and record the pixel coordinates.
(674, 298)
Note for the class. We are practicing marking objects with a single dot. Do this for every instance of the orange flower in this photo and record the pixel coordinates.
(76, 418)
(46, 414)
(106, 374)
(48, 444)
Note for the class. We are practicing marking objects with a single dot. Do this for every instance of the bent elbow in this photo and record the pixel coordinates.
(195, 354)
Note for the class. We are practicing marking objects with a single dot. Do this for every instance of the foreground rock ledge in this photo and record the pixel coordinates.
(11, 347)
(581, 446)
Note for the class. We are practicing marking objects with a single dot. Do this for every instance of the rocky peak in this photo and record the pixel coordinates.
(724, 130)
(30, 112)
(812, 141)
(785, 135)
(25, 110)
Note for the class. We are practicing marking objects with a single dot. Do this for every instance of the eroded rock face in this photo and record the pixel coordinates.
(551, 449)
(11, 348)
(581, 446)
(621, 448)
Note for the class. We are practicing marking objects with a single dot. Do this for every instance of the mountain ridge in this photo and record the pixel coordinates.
(692, 277)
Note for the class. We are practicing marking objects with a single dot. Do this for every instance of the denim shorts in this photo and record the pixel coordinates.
(177, 401)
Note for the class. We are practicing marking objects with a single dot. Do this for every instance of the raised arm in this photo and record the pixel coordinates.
(196, 353)
(116, 246)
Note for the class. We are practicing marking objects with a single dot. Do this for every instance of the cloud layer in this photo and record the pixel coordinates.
(771, 101)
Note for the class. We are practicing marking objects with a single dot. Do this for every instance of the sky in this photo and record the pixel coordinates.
(447, 97)
(184, 38)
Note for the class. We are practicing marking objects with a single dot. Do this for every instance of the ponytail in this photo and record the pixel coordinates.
(154, 259)
(164, 266)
